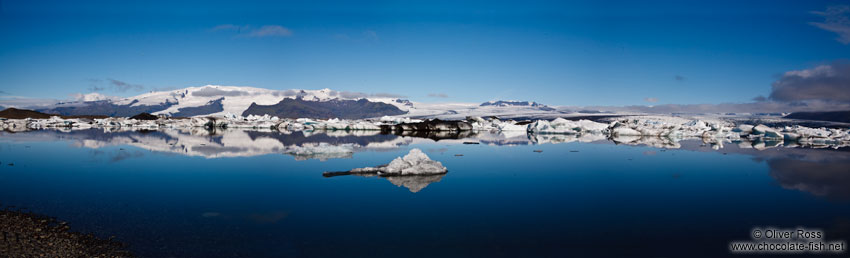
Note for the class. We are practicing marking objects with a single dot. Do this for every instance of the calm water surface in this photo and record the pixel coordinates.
(262, 194)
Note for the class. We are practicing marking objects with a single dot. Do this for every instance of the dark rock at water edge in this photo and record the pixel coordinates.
(434, 129)
(25, 234)
(144, 116)
(430, 125)
(14, 113)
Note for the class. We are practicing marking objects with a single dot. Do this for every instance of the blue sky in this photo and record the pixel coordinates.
(557, 52)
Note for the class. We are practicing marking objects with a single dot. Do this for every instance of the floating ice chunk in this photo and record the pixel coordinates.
(744, 129)
(766, 132)
(414, 163)
(321, 151)
(512, 127)
(620, 129)
(564, 126)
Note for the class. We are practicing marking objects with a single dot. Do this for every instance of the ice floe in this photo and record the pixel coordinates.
(414, 163)
(624, 129)
(414, 171)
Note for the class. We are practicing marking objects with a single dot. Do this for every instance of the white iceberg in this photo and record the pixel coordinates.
(564, 126)
(414, 163)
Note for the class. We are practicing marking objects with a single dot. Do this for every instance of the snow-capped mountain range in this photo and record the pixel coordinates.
(215, 100)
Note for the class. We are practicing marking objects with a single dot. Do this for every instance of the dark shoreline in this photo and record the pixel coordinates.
(26, 234)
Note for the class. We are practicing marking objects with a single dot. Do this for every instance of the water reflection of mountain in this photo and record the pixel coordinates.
(227, 143)
(818, 171)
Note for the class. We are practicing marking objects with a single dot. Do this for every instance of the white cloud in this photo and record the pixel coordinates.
(438, 95)
(250, 31)
(270, 31)
(836, 19)
(91, 97)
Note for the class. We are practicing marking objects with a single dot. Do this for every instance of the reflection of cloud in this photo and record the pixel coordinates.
(827, 178)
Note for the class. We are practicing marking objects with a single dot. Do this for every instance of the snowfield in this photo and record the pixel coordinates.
(235, 99)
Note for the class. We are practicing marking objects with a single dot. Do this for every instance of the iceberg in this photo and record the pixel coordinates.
(414, 163)
(766, 132)
(414, 171)
(564, 126)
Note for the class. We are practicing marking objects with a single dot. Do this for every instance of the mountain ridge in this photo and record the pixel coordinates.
(216, 100)
(344, 109)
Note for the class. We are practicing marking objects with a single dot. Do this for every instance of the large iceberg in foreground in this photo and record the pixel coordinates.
(414, 171)
(414, 163)
(564, 126)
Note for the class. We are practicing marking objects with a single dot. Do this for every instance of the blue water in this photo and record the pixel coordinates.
(571, 199)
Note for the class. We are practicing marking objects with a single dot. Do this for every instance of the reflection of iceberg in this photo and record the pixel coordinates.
(415, 183)
(322, 151)
(652, 141)
(437, 135)
(503, 138)
(221, 142)
(566, 138)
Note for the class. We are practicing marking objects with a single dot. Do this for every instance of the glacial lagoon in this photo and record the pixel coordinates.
(249, 193)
